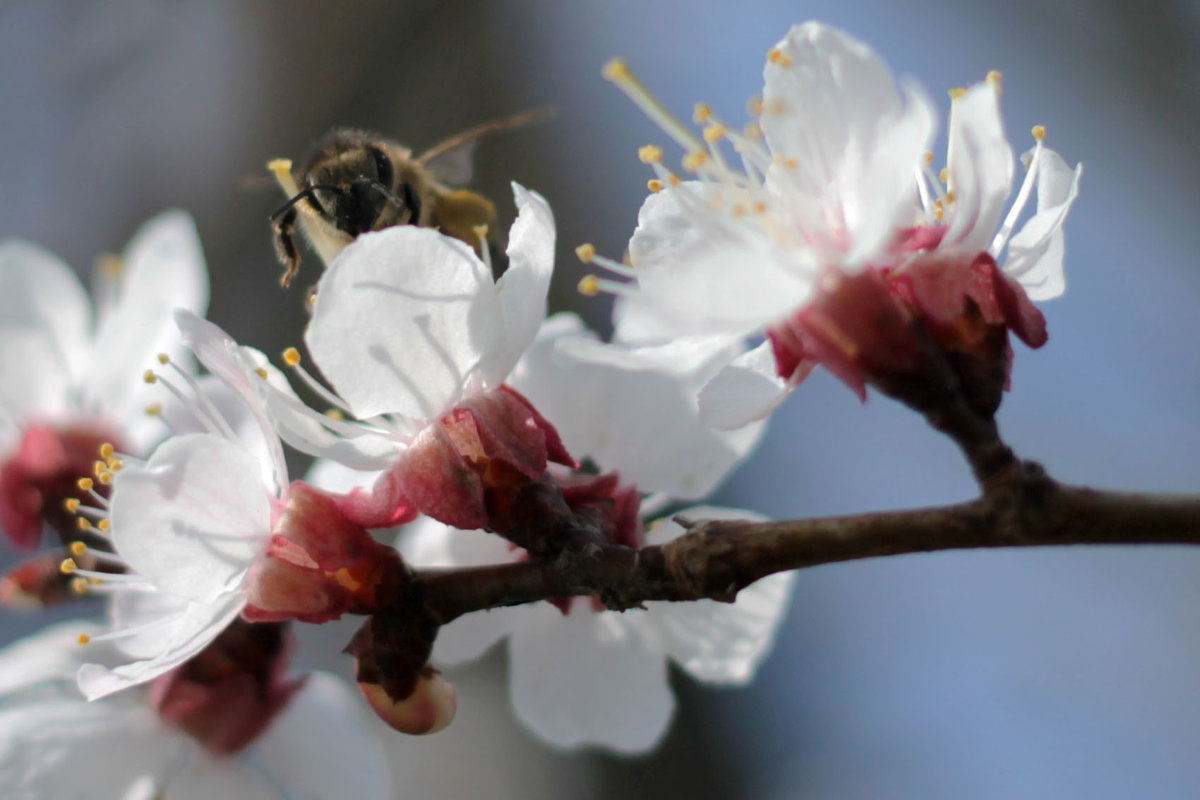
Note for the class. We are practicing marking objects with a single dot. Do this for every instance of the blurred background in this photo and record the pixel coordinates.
(1048, 674)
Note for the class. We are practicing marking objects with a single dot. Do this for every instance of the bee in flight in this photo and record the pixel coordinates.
(354, 182)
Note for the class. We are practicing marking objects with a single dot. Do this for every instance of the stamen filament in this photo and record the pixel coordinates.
(1010, 220)
(207, 404)
(617, 71)
(326, 394)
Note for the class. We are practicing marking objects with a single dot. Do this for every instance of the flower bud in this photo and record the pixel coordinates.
(428, 709)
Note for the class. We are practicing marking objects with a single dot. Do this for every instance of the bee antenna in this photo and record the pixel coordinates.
(279, 212)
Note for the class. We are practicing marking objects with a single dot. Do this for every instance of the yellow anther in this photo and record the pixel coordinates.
(68, 566)
(754, 106)
(105, 478)
(334, 413)
(107, 450)
(589, 286)
(928, 156)
(84, 638)
(481, 231)
(778, 107)
(83, 523)
(616, 69)
(71, 504)
(109, 267)
(104, 525)
(1039, 132)
(739, 211)
(951, 197)
(673, 180)
(85, 484)
(956, 93)
(154, 410)
(654, 185)
(115, 465)
(694, 160)
(280, 165)
(650, 154)
(944, 174)
(779, 57)
(994, 77)
(79, 586)
(791, 163)
(291, 356)
(99, 468)
(752, 131)
(77, 549)
(760, 207)
(585, 253)
(714, 133)
(164, 359)
(939, 213)
(702, 114)
(149, 377)
(261, 372)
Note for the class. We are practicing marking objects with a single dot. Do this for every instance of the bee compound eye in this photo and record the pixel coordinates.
(383, 166)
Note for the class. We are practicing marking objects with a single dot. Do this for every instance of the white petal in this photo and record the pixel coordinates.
(980, 165)
(163, 269)
(303, 428)
(1035, 253)
(834, 90)
(846, 145)
(587, 678)
(194, 518)
(177, 638)
(401, 320)
(702, 271)
(45, 327)
(881, 194)
(323, 745)
(747, 389)
(610, 413)
(237, 366)
(719, 642)
(429, 543)
(67, 748)
(522, 288)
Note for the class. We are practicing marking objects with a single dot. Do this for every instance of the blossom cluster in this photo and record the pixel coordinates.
(457, 425)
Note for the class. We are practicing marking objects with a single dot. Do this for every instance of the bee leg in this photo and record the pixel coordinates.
(285, 246)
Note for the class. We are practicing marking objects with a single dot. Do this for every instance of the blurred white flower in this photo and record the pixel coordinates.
(55, 744)
(69, 373)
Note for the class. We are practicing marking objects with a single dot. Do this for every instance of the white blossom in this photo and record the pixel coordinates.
(53, 743)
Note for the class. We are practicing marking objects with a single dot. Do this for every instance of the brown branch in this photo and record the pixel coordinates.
(717, 559)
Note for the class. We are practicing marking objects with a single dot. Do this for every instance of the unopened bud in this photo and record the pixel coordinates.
(428, 709)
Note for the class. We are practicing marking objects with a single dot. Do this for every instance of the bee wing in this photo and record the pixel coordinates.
(450, 161)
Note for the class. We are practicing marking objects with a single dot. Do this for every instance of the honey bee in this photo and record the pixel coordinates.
(354, 181)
